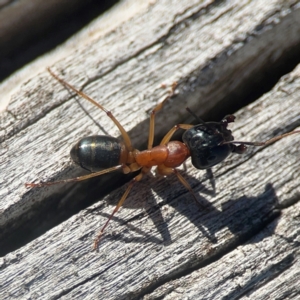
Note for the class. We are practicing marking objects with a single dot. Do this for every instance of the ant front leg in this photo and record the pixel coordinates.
(211, 178)
(163, 170)
(169, 135)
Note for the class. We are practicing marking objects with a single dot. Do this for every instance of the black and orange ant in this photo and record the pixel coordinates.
(207, 143)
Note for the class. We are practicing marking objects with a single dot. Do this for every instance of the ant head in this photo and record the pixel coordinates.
(206, 142)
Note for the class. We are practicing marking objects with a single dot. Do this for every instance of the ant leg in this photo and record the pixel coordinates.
(163, 170)
(124, 134)
(211, 178)
(80, 178)
(188, 187)
(120, 203)
(157, 108)
(169, 135)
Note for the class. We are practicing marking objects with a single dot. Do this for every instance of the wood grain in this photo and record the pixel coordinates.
(160, 238)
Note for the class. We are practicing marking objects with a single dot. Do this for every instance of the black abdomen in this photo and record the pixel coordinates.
(97, 152)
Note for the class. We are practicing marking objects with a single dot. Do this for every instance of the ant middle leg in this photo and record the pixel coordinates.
(157, 108)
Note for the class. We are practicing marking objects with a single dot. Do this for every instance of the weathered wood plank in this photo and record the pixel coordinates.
(142, 250)
(157, 235)
(266, 267)
(188, 43)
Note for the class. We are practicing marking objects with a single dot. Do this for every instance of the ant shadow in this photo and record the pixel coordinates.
(243, 216)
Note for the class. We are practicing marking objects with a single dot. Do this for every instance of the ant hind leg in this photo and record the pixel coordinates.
(124, 134)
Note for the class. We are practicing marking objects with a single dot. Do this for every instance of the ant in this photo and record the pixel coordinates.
(207, 143)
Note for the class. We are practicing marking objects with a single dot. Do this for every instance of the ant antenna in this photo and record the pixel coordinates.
(195, 116)
(270, 141)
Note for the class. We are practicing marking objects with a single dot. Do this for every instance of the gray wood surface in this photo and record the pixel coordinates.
(160, 243)
(267, 266)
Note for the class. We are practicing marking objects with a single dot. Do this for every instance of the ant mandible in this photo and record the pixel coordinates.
(207, 143)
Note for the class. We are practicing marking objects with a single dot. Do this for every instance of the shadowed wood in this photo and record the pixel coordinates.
(28, 18)
(160, 234)
(266, 266)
